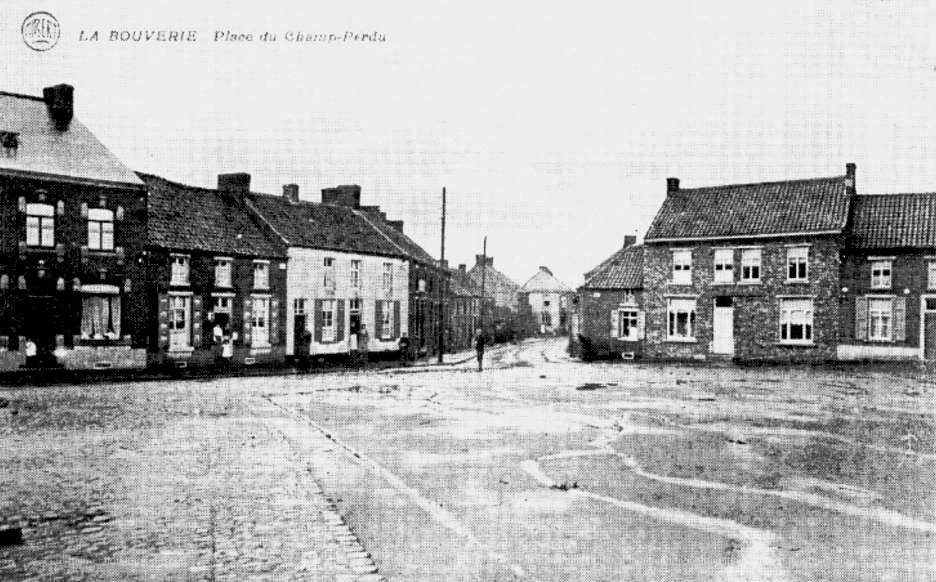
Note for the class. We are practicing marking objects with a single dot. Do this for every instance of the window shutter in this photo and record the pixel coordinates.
(861, 318)
(248, 320)
(378, 320)
(641, 324)
(317, 335)
(396, 319)
(339, 333)
(900, 319)
(196, 322)
(274, 322)
(614, 322)
(163, 320)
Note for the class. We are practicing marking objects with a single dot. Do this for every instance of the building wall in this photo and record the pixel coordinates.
(424, 307)
(49, 308)
(464, 319)
(306, 280)
(756, 306)
(597, 338)
(558, 310)
(204, 349)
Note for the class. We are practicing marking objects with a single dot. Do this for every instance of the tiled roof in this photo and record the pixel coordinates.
(771, 208)
(623, 270)
(399, 239)
(495, 282)
(894, 221)
(190, 218)
(322, 226)
(544, 282)
(460, 284)
(74, 153)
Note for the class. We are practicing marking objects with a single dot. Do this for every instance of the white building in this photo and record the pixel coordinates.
(549, 300)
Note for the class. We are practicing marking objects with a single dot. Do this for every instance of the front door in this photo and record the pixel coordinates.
(723, 326)
(300, 337)
(41, 325)
(929, 328)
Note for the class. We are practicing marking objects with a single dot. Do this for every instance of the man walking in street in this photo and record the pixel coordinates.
(479, 348)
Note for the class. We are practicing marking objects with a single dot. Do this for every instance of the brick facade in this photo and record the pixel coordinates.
(598, 333)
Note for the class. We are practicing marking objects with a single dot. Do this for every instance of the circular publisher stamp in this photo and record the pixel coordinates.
(41, 31)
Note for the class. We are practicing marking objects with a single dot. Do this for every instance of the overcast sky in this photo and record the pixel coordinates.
(552, 124)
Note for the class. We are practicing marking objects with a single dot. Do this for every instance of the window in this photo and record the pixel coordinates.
(750, 265)
(260, 321)
(627, 324)
(261, 274)
(222, 272)
(388, 278)
(100, 229)
(682, 267)
(328, 320)
(931, 275)
(40, 225)
(797, 263)
(724, 265)
(221, 314)
(100, 317)
(880, 274)
(180, 270)
(179, 321)
(299, 306)
(328, 265)
(355, 274)
(796, 321)
(386, 329)
(681, 315)
(880, 319)
(354, 305)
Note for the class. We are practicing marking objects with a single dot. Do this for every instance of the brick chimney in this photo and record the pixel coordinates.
(462, 268)
(629, 240)
(348, 196)
(850, 187)
(672, 185)
(234, 187)
(60, 101)
(291, 193)
(479, 260)
(396, 224)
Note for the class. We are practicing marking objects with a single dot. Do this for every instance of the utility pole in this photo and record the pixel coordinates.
(483, 277)
(442, 285)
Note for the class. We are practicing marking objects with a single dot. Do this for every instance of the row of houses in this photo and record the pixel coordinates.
(103, 267)
(798, 270)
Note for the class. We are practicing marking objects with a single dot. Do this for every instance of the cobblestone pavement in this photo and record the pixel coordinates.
(181, 481)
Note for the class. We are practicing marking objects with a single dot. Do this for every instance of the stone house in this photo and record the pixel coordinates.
(344, 275)
(72, 231)
(609, 318)
(548, 300)
(888, 293)
(747, 271)
(215, 276)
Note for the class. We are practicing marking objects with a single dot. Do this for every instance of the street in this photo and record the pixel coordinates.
(537, 468)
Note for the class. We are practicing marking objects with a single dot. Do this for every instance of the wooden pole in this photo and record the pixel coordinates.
(442, 285)
(483, 277)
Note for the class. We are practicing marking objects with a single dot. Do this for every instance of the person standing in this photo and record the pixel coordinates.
(404, 349)
(479, 348)
(362, 343)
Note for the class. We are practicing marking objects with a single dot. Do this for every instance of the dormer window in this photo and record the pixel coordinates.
(179, 274)
(261, 272)
(222, 272)
(100, 229)
(40, 225)
(9, 140)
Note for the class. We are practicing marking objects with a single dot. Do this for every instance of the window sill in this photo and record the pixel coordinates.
(627, 339)
(260, 350)
(180, 351)
(796, 282)
(795, 344)
(178, 284)
(757, 282)
(723, 283)
(682, 340)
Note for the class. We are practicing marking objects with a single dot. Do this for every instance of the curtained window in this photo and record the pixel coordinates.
(100, 317)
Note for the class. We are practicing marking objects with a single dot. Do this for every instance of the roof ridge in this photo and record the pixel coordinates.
(21, 96)
(766, 183)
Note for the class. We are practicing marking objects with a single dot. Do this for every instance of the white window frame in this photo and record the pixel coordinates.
(100, 229)
(723, 266)
(217, 303)
(261, 274)
(40, 225)
(355, 273)
(881, 319)
(751, 264)
(179, 268)
(881, 273)
(388, 278)
(223, 271)
(931, 274)
(682, 266)
(299, 306)
(260, 321)
(630, 315)
(328, 320)
(386, 329)
(180, 338)
(328, 267)
(674, 307)
(798, 258)
(797, 311)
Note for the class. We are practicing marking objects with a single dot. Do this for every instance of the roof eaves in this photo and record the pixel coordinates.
(744, 236)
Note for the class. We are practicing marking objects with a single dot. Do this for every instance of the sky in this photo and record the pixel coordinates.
(552, 125)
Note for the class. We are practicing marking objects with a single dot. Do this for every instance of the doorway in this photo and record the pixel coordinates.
(928, 332)
(723, 326)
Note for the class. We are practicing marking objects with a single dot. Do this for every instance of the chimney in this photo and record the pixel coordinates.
(396, 224)
(348, 196)
(630, 240)
(545, 269)
(672, 185)
(443, 263)
(60, 101)
(235, 187)
(461, 268)
(479, 260)
(291, 193)
(850, 179)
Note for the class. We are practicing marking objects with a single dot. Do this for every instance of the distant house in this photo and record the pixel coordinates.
(464, 310)
(72, 232)
(502, 313)
(749, 271)
(888, 293)
(609, 318)
(549, 300)
(215, 275)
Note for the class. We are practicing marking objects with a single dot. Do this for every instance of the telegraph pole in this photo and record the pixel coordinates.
(442, 285)
(483, 276)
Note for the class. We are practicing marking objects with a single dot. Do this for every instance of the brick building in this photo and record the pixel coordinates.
(72, 229)
(888, 294)
(215, 276)
(750, 271)
(548, 300)
(504, 316)
(609, 318)
(464, 310)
